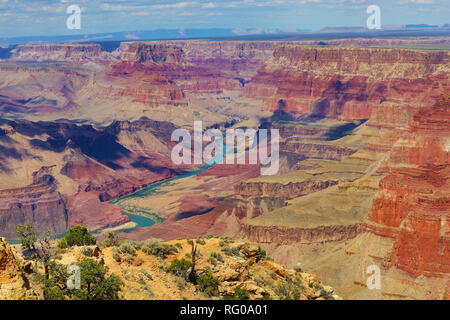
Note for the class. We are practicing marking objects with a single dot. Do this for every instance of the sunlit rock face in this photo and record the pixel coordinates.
(347, 83)
(412, 204)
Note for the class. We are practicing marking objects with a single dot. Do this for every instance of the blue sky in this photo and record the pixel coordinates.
(48, 17)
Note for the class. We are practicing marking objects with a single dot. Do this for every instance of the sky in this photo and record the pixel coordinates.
(48, 17)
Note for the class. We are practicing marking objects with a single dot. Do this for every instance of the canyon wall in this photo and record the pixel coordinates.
(288, 236)
(412, 205)
(346, 83)
(38, 205)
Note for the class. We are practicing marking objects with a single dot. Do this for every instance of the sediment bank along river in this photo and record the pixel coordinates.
(144, 217)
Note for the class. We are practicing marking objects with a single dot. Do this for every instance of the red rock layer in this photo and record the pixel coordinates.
(413, 203)
(346, 83)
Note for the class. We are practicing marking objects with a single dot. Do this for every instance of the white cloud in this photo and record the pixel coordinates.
(208, 5)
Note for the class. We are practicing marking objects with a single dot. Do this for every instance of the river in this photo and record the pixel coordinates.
(143, 217)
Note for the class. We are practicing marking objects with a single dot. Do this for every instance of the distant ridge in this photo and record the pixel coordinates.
(235, 34)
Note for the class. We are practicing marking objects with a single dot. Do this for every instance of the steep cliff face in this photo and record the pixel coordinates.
(317, 150)
(148, 53)
(239, 59)
(347, 83)
(39, 205)
(287, 191)
(147, 84)
(412, 205)
(287, 236)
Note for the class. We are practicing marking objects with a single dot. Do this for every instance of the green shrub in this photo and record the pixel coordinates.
(212, 260)
(208, 284)
(236, 251)
(201, 241)
(241, 294)
(129, 258)
(289, 291)
(87, 251)
(146, 274)
(96, 282)
(217, 256)
(262, 253)
(62, 244)
(111, 239)
(127, 248)
(78, 236)
(158, 249)
(116, 256)
(227, 251)
(180, 267)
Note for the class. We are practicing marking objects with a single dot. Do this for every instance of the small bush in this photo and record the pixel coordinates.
(325, 294)
(116, 256)
(127, 248)
(158, 249)
(87, 251)
(227, 251)
(79, 236)
(217, 256)
(236, 251)
(241, 294)
(129, 258)
(212, 260)
(262, 253)
(146, 274)
(289, 292)
(208, 284)
(180, 267)
(111, 239)
(62, 244)
(201, 241)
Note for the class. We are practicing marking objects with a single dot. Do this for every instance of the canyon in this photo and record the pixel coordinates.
(364, 140)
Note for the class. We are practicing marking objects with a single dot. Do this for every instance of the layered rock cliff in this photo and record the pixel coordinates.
(412, 204)
(38, 205)
(346, 83)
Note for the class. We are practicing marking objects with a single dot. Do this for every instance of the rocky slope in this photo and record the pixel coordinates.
(145, 274)
(14, 275)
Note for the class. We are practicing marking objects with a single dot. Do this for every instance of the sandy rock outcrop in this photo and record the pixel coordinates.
(14, 282)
